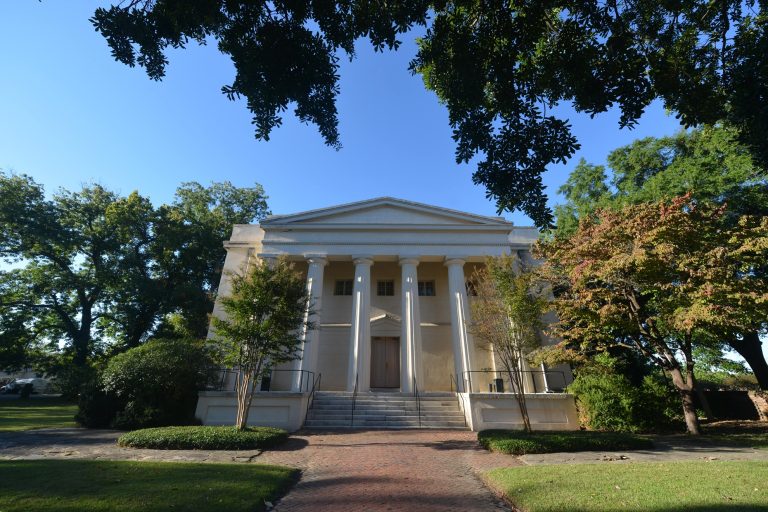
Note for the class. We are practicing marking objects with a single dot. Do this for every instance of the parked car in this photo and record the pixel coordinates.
(38, 386)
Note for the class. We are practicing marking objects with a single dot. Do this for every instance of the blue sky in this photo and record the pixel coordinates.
(71, 114)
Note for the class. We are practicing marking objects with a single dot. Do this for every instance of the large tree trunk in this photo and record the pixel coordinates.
(750, 348)
(685, 389)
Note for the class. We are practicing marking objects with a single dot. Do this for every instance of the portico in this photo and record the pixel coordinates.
(384, 268)
(389, 297)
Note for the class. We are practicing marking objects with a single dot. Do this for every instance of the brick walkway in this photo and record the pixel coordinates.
(389, 470)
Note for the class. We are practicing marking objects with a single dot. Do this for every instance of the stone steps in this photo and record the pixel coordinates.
(332, 410)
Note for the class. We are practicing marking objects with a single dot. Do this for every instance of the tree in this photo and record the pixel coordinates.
(69, 250)
(500, 67)
(196, 223)
(93, 272)
(708, 163)
(506, 315)
(265, 316)
(157, 383)
(662, 278)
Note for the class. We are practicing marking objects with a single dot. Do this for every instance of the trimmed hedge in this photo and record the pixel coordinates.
(517, 442)
(203, 438)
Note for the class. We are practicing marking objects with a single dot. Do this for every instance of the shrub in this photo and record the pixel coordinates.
(152, 385)
(517, 442)
(204, 438)
(608, 400)
(96, 408)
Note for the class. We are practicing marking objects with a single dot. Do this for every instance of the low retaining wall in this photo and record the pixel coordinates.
(277, 409)
(547, 411)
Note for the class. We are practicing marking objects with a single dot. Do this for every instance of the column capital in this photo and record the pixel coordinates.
(362, 260)
(408, 260)
(318, 259)
(454, 261)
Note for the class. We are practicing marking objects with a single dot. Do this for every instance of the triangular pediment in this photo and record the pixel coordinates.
(385, 211)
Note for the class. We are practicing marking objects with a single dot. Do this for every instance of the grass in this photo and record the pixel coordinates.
(17, 414)
(669, 486)
(516, 442)
(204, 438)
(95, 486)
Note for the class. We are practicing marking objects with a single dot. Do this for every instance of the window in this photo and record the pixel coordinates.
(471, 289)
(343, 287)
(385, 288)
(427, 288)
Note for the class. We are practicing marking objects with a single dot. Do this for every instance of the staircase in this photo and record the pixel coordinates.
(333, 409)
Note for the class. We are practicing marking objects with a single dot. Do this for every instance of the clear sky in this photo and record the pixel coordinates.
(70, 114)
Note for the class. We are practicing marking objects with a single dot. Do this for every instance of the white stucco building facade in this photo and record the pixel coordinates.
(388, 282)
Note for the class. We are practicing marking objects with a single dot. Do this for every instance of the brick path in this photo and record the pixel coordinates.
(389, 470)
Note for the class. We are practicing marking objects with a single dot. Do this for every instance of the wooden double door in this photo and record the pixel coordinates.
(385, 362)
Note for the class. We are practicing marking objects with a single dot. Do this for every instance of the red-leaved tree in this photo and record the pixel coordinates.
(662, 278)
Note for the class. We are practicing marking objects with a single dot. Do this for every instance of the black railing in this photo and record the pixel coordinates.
(354, 399)
(271, 381)
(418, 400)
(315, 387)
(498, 381)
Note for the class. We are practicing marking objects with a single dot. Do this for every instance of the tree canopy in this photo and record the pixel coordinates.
(662, 279)
(91, 271)
(501, 67)
(708, 164)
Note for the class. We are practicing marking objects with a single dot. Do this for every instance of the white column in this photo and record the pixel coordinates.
(360, 335)
(311, 337)
(462, 342)
(410, 338)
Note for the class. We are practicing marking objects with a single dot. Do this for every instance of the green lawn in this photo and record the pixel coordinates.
(17, 414)
(669, 486)
(127, 486)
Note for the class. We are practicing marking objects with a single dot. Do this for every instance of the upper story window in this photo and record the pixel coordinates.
(385, 288)
(427, 288)
(343, 287)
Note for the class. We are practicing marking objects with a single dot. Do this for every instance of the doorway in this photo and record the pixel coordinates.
(385, 362)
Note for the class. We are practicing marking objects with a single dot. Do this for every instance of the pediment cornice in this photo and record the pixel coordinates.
(385, 213)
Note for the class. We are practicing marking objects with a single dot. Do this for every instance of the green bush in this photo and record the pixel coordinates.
(518, 442)
(96, 408)
(153, 385)
(608, 400)
(204, 438)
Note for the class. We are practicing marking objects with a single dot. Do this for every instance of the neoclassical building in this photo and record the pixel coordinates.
(388, 280)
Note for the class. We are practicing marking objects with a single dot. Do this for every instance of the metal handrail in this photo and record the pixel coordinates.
(354, 399)
(315, 387)
(467, 375)
(418, 400)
